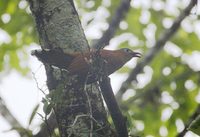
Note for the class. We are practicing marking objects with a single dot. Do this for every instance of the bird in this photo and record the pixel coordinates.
(79, 63)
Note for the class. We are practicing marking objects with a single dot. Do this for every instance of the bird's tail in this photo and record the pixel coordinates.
(55, 57)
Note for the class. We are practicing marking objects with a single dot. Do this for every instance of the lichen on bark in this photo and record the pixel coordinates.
(75, 106)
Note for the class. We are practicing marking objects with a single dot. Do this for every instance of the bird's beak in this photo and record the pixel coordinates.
(136, 54)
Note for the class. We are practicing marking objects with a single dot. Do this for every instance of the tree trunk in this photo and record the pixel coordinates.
(79, 110)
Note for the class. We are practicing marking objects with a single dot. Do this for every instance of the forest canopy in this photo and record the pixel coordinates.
(161, 94)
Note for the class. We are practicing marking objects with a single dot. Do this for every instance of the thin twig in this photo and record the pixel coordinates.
(76, 121)
(81, 116)
(49, 123)
(192, 117)
(45, 120)
(156, 48)
(90, 110)
(48, 126)
(117, 17)
(52, 124)
(37, 84)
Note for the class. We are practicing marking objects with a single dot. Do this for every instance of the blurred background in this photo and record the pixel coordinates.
(166, 93)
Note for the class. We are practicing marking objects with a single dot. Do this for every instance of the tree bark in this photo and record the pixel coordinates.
(79, 109)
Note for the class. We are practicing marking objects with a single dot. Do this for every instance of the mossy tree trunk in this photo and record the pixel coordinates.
(79, 110)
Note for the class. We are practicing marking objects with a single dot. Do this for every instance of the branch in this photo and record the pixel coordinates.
(109, 33)
(156, 48)
(6, 114)
(192, 117)
(150, 88)
(52, 124)
(117, 117)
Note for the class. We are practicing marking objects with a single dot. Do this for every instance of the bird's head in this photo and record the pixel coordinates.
(128, 53)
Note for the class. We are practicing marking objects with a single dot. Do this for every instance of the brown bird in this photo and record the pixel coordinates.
(80, 63)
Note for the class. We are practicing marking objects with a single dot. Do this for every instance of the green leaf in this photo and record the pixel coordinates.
(33, 113)
(22, 131)
(135, 26)
(129, 121)
(47, 108)
(14, 60)
(12, 6)
(2, 54)
(195, 126)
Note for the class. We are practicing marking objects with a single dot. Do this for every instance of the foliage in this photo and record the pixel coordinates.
(161, 105)
(195, 126)
(170, 97)
(18, 32)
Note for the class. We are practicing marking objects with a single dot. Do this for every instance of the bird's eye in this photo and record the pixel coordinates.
(127, 50)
